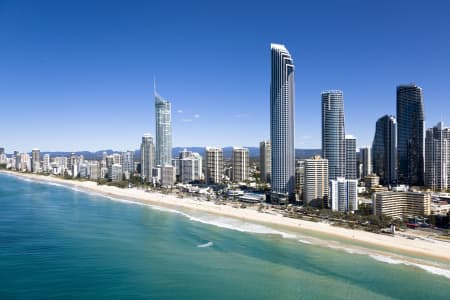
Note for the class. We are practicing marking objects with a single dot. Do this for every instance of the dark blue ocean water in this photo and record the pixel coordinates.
(58, 243)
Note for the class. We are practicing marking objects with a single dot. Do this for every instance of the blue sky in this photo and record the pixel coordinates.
(78, 75)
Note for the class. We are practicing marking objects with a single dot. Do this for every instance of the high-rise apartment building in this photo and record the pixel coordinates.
(35, 160)
(240, 164)
(384, 150)
(350, 157)
(343, 194)
(163, 131)
(147, 157)
(333, 133)
(315, 189)
(282, 124)
(265, 161)
(365, 155)
(188, 166)
(213, 165)
(437, 163)
(410, 135)
(128, 163)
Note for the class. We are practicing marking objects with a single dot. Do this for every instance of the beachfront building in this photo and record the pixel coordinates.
(213, 165)
(410, 135)
(315, 191)
(35, 161)
(350, 157)
(188, 166)
(127, 159)
(163, 131)
(343, 194)
(147, 158)
(282, 124)
(46, 163)
(240, 164)
(167, 176)
(265, 161)
(333, 133)
(437, 154)
(300, 178)
(94, 170)
(384, 150)
(401, 204)
(116, 173)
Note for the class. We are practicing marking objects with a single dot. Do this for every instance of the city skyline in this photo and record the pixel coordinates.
(85, 72)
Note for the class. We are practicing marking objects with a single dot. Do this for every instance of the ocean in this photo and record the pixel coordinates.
(57, 242)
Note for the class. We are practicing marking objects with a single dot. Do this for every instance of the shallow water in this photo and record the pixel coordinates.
(56, 242)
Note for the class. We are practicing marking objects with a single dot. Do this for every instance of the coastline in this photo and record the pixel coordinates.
(421, 248)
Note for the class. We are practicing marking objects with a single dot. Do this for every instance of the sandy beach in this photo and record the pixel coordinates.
(425, 248)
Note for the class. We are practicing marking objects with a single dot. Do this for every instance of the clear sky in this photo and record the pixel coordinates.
(78, 75)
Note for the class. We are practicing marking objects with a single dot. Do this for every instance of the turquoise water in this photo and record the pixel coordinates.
(59, 243)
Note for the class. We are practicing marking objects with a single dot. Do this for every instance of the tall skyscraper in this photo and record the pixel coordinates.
(213, 165)
(35, 160)
(282, 124)
(437, 151)
(147, 157)
(384, 150)
(265, 160)
(316, 181)
(410, 135)
(366, 159)
(343, 194)
(333, 133)
(350, 157)
(163, 131)
(240, 164)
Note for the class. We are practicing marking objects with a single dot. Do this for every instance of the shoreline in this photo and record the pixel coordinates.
(420, 248)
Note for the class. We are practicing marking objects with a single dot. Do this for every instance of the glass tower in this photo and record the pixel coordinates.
(163, 131)
(384, 150)
(333, 133)
(410, 135)
(282, 124)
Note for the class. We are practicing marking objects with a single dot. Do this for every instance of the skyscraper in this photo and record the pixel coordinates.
(366, 160)
(163, 131)
(333, 133)
(35, 160)
(240, 164)
(265, 158)
(213, 165)
(316, 181)
(147, 157)
(128, 163)
(350, 157)
(384, 150)
(437, 151)
(282, 124)
(410, 135)
(343, 194)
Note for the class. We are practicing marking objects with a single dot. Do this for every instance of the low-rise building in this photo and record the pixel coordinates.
(401, 204)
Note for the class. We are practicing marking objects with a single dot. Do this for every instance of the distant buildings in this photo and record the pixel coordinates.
(366, 160)
(163, 131)
(147, 157)
(350, 157)
(315, 188)
(213, 165)
(265, 160)
(410, 135)
(384, 150)
(282, 124)
(240, 164)
(343, 194)
(401, 204)
(35, 160)
(333, 133)
(437, 158)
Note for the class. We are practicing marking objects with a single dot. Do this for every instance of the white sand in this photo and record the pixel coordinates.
(422, 247)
